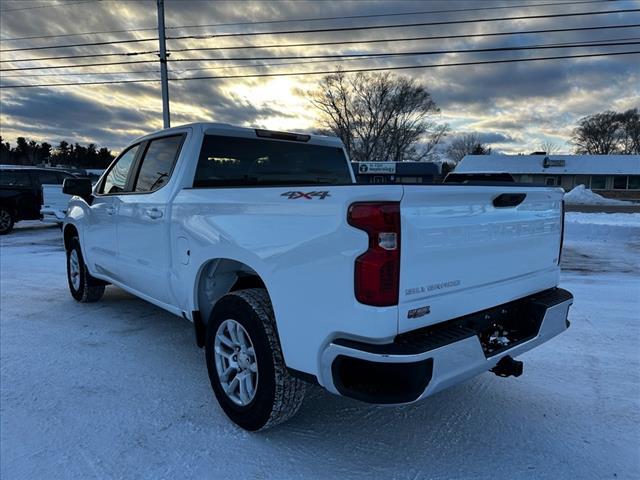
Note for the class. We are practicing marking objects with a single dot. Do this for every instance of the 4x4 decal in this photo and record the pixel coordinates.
(307, 195)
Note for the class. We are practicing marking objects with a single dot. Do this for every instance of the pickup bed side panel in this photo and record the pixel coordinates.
(302, 248)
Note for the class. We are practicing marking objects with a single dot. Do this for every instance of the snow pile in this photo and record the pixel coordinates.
(612, 219)
(581, 195)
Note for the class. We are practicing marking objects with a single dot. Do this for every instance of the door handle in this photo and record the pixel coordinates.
(110, 210)
(153, 213)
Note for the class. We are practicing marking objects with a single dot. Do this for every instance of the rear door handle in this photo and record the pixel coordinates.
(153, 213)
(110, 210)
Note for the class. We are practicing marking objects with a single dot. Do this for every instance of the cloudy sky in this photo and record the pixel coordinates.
(514, 106)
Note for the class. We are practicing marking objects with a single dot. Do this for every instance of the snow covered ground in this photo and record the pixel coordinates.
(118, 389)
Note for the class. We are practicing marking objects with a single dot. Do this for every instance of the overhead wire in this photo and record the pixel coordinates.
(260, 22)
(344, 42)
(327, 30)
(335, 56)
(329, 72)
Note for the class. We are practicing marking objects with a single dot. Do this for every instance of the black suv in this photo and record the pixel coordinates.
(21, 193)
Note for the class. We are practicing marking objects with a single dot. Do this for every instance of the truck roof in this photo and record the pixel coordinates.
(214, 128)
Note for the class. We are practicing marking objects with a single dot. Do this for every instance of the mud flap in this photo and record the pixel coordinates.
(199, 327)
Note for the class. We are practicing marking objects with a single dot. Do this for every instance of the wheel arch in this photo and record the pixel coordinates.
(218, 276)
(69, 233)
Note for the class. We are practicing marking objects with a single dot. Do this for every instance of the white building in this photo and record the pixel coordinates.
(610, 175)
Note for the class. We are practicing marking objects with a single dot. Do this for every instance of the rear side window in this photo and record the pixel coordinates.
(116, 180)
(158, 163)
(233, 162)
(14, 178)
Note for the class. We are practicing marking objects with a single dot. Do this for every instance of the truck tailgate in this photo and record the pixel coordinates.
(461, 254)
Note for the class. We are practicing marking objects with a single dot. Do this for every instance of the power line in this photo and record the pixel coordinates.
(116, 42)
(45, 6)
(329, 72)
(120, 54)
(181, 70)
(334, 29)
(403, 54)
(347, 42)
(75, 74)
(421, 24)
(133, 62)
(391, 14)
(336, 56)
(383, 40)
(259, 65)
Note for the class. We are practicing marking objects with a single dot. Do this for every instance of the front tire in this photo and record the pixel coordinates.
(6, 221)
(83, 287)
(245, 363)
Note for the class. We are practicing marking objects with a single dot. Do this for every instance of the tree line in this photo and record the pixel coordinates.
(73, 155)
(382, 117)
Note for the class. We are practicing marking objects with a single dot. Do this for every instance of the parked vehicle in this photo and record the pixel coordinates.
(291, 273)
(21, 193)
(54, 204)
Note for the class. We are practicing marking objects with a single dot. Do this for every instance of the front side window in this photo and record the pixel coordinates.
(634, 182)
(158, 163)
(234, 161)
(14, 178)
(116, 180)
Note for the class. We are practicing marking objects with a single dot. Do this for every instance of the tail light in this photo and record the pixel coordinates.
(377, 271)
(561, 230)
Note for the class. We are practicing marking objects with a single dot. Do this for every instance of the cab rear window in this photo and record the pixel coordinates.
(235, 162)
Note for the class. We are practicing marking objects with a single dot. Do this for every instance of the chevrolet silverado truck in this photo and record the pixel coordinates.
(293, 274)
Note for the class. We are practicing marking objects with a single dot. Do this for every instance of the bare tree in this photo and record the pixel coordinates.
(549, 147)
(608, 133)
(468, 144)
(630, 132)
(380, 116)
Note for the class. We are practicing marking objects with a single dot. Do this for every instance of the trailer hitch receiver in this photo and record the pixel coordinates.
(508, 367)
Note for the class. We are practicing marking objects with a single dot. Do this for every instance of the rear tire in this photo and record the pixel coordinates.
(83, 287)
(7, 221)
(275, 396)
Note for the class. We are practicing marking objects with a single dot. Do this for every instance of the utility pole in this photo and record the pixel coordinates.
(166, 118)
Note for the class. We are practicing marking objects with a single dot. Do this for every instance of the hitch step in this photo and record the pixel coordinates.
(508, 367)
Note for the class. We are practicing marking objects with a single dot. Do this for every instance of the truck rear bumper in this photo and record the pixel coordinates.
(420, 363)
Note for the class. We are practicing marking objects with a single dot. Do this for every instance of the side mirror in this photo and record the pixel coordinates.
(80, 187)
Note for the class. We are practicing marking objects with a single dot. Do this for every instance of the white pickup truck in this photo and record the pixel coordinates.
(293, 274)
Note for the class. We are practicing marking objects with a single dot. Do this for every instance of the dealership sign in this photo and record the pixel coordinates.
(377, 167)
